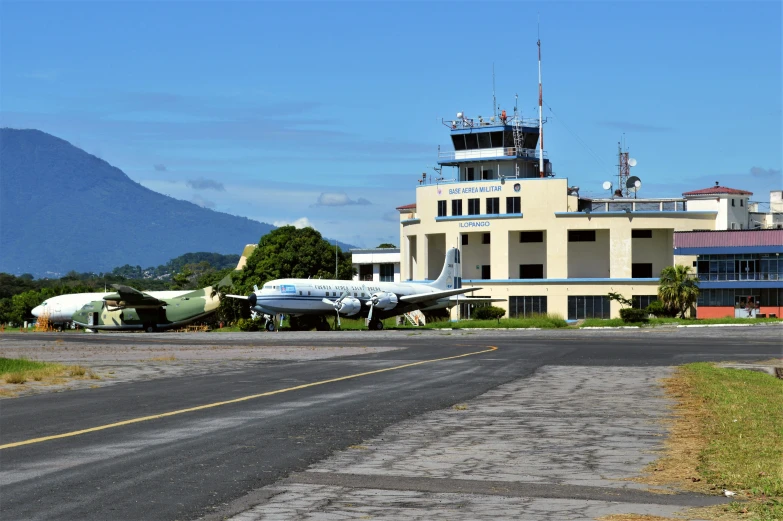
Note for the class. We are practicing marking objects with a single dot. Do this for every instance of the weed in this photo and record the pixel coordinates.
(76, 370)
(15, 378)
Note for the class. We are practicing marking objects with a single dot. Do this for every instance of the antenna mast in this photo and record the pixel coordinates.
(494, 99)
(540, 110)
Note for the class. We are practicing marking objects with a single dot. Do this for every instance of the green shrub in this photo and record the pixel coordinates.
(488, 313)
(633, 315)
(656, 309)
(249, 324)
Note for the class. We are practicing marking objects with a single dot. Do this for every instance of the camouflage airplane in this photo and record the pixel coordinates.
(132, 309)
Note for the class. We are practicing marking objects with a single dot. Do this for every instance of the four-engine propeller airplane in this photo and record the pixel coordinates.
(374, 300)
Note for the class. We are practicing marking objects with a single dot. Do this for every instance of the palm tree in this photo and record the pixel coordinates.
(678, 288)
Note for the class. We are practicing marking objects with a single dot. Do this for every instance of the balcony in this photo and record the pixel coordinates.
(489, 153)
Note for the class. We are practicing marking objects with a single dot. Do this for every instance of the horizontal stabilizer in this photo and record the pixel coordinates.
(436, 295)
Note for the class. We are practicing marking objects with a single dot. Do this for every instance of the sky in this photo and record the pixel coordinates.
(327, 113)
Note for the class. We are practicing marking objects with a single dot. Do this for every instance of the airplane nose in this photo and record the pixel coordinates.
(252, 299)
(37, 310)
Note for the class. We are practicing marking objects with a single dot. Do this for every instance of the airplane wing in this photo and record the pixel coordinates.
(475, 300)
(437, 295)
(130, 297)
(243, 297)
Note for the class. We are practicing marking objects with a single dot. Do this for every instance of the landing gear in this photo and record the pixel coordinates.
(376, 325)
(270, 325)
(323, 325)
(149, 328)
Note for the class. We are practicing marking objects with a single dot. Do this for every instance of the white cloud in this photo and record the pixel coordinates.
(339, 199)
(302, 222)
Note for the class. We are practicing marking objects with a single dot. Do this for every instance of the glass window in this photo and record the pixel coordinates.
(471, 173)
(456, 207)
(464, 239)
(581, 235)
(641, 270)
(526, 306)
(513, 205)
(474, 206)
(493, 205)
(387, 272)
(497, 139)
(531, 271)
(441, 208)
(588, 307)
(483, 140)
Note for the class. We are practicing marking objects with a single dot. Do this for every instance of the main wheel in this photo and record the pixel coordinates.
(376, 325)
(270, 325)
(149, 328)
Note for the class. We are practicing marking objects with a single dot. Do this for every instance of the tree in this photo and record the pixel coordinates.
(678, 289)
(182, 279)
(386, 245)
(290, 252)
(621, 299)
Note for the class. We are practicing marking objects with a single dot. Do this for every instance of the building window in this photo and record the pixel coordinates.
(493, 205)
(485, 272)
(513, 205)
(742, 202)
(642, 301)
(641, 270)
(365, 271)
(456, 207)
(588, 307)
(441, 208)
(531, 236)
(641, 234)
(485, 238)
(732, 202)
(464, 239)
(581, 235)
(387, 272)
(471, 174)
(531, 271)
(474, 206)
(526, 306)
(486, 174)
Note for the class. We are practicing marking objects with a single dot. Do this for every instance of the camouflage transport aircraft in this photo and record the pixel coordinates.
(133, 309)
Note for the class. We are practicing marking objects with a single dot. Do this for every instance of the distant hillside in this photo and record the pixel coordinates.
(62, 209)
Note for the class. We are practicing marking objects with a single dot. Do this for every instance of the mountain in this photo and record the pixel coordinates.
(62, 209)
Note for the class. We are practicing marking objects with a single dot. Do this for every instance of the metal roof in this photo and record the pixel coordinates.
(728, 238)
(718, 190)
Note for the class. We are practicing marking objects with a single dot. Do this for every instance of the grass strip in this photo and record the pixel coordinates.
(727, 434)
(21, 370)
(546, 321)
(653, 322)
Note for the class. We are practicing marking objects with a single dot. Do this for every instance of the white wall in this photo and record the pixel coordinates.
(524, 253)
(436, 254)
(659, 250)
(476, 254)
(589, 259)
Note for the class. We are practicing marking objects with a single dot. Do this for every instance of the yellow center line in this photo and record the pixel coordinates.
(227, 402)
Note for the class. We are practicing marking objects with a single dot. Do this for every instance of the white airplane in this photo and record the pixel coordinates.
(374, 300)
(61, 308)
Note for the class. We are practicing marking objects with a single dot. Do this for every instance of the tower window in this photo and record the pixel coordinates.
(441, 208)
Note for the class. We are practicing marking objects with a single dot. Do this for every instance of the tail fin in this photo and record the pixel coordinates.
(245, 254)
(451, 275)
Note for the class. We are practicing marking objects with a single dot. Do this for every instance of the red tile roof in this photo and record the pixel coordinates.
(407, 207)
(717, 190)
(728, 238)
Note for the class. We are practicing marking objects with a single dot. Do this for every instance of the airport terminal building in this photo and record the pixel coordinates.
(529, 239)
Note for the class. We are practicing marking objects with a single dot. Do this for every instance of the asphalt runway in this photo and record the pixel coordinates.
(181, 448)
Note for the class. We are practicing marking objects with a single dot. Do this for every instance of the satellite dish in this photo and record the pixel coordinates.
(607, 185)
(459, 115)
(632, 162)
(633, 183)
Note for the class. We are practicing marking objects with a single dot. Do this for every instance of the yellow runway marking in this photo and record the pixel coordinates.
(227, 402)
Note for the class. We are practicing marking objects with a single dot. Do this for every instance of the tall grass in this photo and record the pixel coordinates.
(21, 370)
(543, 321)
(653, 322)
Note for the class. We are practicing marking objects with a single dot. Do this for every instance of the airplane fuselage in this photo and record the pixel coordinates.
(305, 296)
(60, 309)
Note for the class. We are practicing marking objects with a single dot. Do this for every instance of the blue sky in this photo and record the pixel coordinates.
(328, 113)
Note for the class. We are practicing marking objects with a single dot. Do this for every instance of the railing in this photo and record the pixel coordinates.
(492, 121)
(637, 205)
(486, 153)
(739, 277)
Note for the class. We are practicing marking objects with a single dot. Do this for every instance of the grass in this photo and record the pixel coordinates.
(547, 321)
(20, 370)
(727, 434)
(653, 322)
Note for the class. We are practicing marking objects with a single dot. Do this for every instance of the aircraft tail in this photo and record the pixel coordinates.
(451, 275)
(245, 254)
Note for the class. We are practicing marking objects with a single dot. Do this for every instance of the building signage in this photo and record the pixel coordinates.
(474, 224)
(475, 190)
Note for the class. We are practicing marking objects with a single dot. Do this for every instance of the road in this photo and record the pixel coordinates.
(162, 461)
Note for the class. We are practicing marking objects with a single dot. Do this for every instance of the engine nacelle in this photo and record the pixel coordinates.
(349, 306)
(384, 300)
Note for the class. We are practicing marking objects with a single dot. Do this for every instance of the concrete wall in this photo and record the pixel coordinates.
(475, 255)
(659, 250)
(525, 253)
(589, 259)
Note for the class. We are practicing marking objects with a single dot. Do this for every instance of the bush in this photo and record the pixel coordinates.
(656, 309)
(249, 324)
(633, 315)
(488, 313)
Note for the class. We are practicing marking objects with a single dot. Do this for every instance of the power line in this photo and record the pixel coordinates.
(595, 156)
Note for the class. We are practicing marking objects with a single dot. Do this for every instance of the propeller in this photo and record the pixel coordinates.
(337, 304)
(372, 303)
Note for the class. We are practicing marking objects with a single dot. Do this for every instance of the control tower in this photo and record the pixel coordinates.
(498, 147)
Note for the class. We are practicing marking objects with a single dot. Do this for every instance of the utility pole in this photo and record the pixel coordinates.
(335, 259)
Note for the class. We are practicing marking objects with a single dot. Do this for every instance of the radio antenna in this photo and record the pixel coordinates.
(540, 108)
